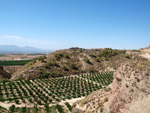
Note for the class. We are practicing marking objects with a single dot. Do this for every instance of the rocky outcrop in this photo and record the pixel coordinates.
(11, 69)
(129, 92)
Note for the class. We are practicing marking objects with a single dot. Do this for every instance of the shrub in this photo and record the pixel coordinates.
(42, 58)
(53, 63)
(69, 106)
(64, 68)
(91, 70)
(30, 100)
(127, 56)
(39, 102)
(17, 101)
(87, 60)
(105, 58)
(34, 61)
(97, 59)
(60, 75)
(92, 55)
(46, 107)
(66, 56)
(44, 75)
(58, 56)
(12, 108)
(59, 108)
(73, 66)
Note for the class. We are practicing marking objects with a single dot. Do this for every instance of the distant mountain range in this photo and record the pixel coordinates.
(16, 49)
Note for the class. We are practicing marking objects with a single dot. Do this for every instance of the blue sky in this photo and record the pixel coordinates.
(59, 24)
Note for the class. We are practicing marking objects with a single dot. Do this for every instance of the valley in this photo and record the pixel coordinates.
(64, 80)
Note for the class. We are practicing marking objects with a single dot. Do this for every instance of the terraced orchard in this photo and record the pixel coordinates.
(53, 90)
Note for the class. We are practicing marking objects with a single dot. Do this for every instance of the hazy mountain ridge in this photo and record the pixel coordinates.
(16, 49)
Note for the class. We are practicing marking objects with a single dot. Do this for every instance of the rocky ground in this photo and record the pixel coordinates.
(129, 92)
(11, 69)
(3, 73)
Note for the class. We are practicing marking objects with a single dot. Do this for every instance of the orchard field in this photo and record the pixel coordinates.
(53, 90)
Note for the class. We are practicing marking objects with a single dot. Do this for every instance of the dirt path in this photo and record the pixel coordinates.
(70, 101)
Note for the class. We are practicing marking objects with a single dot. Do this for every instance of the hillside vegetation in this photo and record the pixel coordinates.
(74, 61)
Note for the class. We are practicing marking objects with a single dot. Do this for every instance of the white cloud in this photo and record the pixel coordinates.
(12, 37)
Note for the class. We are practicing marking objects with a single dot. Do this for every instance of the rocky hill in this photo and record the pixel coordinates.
(74, 61)
(3, 73)
(129, 92)
(145, 52)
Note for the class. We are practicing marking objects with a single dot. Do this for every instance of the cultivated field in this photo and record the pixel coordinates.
(51, 91)
(14, 63)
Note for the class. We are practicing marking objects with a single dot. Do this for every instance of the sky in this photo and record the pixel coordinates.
(60, 24)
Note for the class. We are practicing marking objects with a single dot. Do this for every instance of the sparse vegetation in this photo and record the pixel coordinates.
(64, 68)
(66, 56)
(87, 60)
(58, 56)
(127, 56)
(71, 62)
(73, 66)
(42, 58)
(68, 106)
(52, 63)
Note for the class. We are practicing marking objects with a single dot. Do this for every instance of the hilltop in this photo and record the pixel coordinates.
(75, 61)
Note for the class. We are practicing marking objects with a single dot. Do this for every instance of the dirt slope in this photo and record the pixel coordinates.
(3, 73)
(129, 92)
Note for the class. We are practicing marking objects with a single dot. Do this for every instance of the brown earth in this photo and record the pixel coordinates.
(4, 74)
(11, 69)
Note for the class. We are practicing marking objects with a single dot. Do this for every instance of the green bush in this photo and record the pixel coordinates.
(58, 56)
(59, 108)
(73, 66)
(127, 56)
(87, 60)
(60, 75)
(44, 75)
(52, 63)
(34, 61)
(97, 59)
(12, 108)
(91, 70)
(42, 58)
(66, 56)
(64, 68)
(68, 106)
